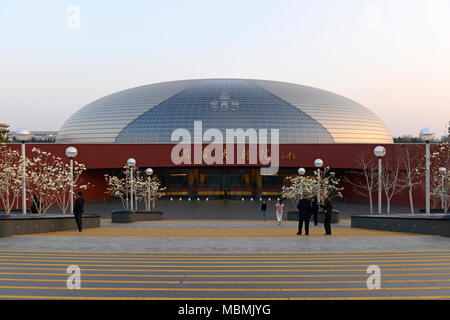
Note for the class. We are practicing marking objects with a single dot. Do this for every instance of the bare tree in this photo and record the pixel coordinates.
(440, 158)
(368, 182)
(414, 166)
(391, 181)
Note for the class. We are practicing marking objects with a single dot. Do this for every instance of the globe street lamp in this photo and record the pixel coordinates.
(71, 152)
(318, 163)
(301, 172)
(443, 171)
(23, 135)
(379, 152)
(427, 135)
(149, 172)
(131, 163)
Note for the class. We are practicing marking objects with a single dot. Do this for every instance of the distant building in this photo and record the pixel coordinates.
(37, 136)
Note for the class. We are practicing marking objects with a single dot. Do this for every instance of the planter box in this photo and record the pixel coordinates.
(128, 216)
(293, 215)
(13, 224)
(434, 210)
(433, 225)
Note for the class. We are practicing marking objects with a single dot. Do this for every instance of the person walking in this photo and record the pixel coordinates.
(315, 210)
(279, 207)
(304, 213)
(35, 205)
(263, 209)
(78, 210)
(328, 211)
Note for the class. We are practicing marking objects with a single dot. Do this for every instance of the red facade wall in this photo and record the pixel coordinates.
(99, 158)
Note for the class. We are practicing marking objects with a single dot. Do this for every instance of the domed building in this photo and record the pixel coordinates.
(149, 114)
(139, 123)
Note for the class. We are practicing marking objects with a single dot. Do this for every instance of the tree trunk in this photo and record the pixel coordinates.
(371, 203)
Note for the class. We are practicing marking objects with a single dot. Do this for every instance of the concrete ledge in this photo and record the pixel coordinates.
(124, 216)
(293, 215)
(437, 224)
(19, 224)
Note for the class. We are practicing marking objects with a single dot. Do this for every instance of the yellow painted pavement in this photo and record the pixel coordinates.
(117, 232)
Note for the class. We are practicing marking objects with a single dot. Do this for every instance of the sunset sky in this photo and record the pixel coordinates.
(391, 56)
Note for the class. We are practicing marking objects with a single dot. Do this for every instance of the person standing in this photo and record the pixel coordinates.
(279, 207)
(78, 210)
(35, 205)
(304, 213)
(328, 211)
(315, 210)
(263, 209)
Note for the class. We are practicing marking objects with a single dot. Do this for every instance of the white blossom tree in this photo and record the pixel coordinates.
(306, 186)
(10, 177)
(148, 192)
(119, 187)
(440, 158)
(48, 180)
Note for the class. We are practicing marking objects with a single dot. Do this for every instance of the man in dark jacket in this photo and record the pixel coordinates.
(304, 213)
(78, 210)
(328, 211)
(315, 210)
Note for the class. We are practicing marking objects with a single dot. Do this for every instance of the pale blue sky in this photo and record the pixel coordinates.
(392, 56)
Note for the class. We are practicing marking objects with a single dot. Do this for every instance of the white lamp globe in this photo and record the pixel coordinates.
(442, 170)
(379, 151)
(149, 171)
(71, 152)
(301, 171)
(131, 162)
(318, 163)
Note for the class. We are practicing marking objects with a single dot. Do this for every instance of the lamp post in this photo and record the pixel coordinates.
(379, 152)
(71, 152)
(23, 135)
(427, 135)
(443, 171)
(318, 163)
(301, 172)
(131, 163)
(149, 172)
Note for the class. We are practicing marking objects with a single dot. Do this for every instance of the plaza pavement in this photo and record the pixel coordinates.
(226, 209)
(224, 259)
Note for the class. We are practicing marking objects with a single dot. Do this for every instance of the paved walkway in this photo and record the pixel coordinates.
(221, 236)
(225, 209)
(153, 276)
